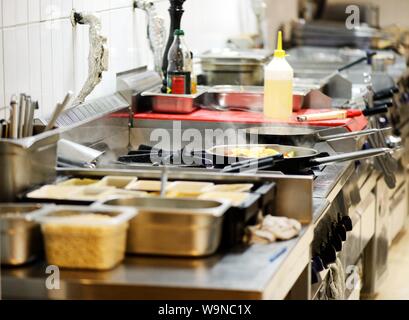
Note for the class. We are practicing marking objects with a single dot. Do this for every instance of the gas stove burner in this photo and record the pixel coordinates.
(157, 157)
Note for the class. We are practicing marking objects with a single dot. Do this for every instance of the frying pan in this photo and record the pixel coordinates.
(305, 158)
(300, 136)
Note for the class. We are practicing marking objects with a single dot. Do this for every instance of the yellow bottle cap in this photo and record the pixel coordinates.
(279, 52)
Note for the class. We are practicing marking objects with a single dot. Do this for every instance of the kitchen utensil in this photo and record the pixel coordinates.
(175, 227)
(304, 158)
(20, 239)
(30, 120)
(27, 113)
(14, 118)
(343, 114)
(58, 110)
(22, 113)
(74, 153)
(300, 136)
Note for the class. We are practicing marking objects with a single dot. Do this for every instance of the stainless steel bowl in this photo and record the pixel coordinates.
(20, 239)
(174, 227)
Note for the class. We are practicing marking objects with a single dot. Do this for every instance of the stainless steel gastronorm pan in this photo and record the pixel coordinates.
(174, 103)
(174, 227)
(20, 239)
(26, 162)
(249, 98)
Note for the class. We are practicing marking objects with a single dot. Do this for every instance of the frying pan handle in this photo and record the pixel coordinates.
(357, 155)
(358, 61)
(352, 134)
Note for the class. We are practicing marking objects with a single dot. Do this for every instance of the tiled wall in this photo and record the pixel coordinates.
(43, 55)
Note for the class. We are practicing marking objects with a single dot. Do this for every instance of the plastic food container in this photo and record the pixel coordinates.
(84, 238)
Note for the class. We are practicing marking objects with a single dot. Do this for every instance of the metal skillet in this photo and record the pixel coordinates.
(301, 136)
(304, 158)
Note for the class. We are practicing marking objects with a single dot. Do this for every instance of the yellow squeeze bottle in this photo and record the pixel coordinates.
(278, 85)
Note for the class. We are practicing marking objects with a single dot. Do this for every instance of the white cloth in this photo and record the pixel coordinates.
(336, 281)
(272, 229)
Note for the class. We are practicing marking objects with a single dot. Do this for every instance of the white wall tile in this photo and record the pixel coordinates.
(34, 11)
(34, 47)
(45, 56)
(46, 68)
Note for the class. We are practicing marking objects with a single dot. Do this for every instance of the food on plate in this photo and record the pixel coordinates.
(256, 152)
(236, 198)
(84, 241)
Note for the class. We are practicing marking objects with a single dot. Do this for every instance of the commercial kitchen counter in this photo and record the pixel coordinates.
(273, 271)
(256, 272)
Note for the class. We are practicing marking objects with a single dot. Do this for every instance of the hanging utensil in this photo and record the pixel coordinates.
(58, 110)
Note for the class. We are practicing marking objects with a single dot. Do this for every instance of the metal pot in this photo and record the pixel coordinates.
(20, 239)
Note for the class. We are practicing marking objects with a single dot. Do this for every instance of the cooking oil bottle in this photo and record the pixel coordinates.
(278, 85)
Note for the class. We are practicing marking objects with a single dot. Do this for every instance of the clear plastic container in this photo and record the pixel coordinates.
(84, 238)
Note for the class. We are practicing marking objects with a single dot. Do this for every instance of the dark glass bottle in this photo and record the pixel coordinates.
(179, 71)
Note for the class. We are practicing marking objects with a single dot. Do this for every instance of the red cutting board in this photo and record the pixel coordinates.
(239, 117)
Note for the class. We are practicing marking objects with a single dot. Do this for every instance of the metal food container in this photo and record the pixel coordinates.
(174, 227)
(174, 103)
(249, 98)
(20, 239)
(230, 67)
(26, 162)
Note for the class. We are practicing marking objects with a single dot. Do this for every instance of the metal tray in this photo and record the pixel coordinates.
(174, 227)
(248, 98)
(20, 239)
(174, 103)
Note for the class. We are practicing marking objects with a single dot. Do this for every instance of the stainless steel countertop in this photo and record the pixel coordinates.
(245, 273)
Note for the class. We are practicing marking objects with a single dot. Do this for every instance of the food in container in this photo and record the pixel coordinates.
(20, 239)
(188, 188)
(84, 238)
(245, 187)
(145, 185)
(236, 198)
(78, 182)
(88, 193)
(117, 182)
(91, 193)
(53, 192)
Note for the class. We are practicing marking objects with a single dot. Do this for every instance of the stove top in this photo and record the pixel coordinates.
(148, 157)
